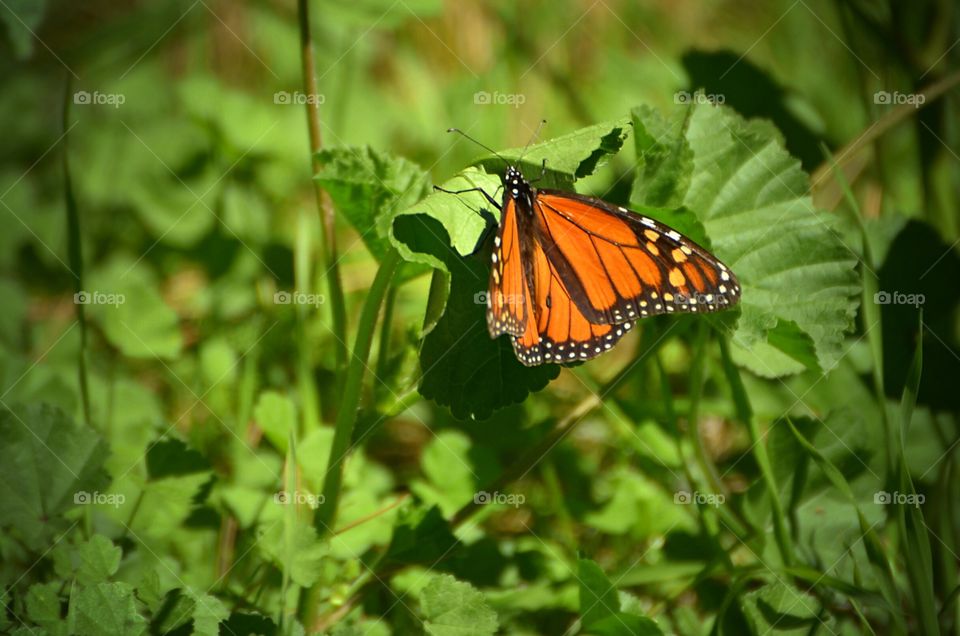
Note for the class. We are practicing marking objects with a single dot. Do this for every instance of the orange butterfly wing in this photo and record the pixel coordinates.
(507, 302)
(569, 282)
(620, 266)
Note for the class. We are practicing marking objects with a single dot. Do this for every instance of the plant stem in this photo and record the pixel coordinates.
(745, 414)
(347, 414)
(328, 238)
(696, 388)
(75, 257)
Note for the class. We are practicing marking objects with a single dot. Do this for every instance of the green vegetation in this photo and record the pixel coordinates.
(247, 385)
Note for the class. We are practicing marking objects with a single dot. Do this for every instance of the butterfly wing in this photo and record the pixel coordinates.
(560, 332)
(508, 305)
(619, 266)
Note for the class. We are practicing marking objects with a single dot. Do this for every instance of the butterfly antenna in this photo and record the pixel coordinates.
(536, 134)
(482, 145)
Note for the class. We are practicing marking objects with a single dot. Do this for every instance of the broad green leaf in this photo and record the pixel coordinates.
(799, 285)
(450, 479)
(598, 596)
(107, 609)
(577, 154)
(123, 299)
(98, 560)
(462, 367)
(624, 624)
(301, 557)
(664, 160)
(600, 608)
(172, 457)
(782, 609)
(176, 611)
(421, 535)
(208, 613)
(454, 608)
(43, 605)
(167, 503)
(277, 416)
(369, 188)
(48, 463)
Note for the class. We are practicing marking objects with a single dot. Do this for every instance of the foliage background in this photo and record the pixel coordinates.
(751, 473)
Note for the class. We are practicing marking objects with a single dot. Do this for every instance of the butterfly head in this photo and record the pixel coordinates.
(515, 185)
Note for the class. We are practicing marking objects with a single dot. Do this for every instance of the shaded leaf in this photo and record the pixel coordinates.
(47, 463)
(454, 608)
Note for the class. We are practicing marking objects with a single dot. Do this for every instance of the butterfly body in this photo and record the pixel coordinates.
(571, 274)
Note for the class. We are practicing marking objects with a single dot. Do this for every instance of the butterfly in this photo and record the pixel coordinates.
(571, 274)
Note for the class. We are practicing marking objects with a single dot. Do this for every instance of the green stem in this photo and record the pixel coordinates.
(328, 238)
(696, 389)
(347, 415)
(745, 414)
(75, 258)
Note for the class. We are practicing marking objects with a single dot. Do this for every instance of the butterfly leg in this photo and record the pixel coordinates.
(543, 171)
(489, 198)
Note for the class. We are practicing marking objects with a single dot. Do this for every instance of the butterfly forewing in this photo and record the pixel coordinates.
(621, 266)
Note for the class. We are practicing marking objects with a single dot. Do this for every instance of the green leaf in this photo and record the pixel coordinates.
(107, 609)
(577, 154)
(43, 604)
(454, 608)
(598, 596)
(208, 613)
(123, 299)
(277, 416)
(168, 502)
(624, 624)
(450, 477)
(782, 608)
(172, 458)
(369, 187)
(444, 225)
(47, 463)
(300, 554)
(463, 368)
(176, 610)
(99, 560)
(421, 535)
(664, 160)
(800, 290)
(600, 609)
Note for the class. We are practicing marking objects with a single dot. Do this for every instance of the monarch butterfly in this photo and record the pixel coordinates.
(571, 274)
